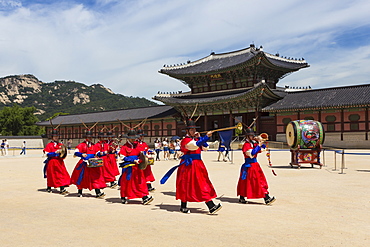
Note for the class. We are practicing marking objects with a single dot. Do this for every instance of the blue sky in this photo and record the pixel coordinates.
(123, 43)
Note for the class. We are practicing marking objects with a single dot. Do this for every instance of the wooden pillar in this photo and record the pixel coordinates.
(151, 128)
(341, 124)
(366, 123)
(162, 126)
(231, 118)
(205, 121)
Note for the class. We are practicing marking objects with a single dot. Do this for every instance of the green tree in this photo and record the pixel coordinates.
(18, 121)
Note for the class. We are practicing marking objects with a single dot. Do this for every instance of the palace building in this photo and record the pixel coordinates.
(230, 87)
(239, 86)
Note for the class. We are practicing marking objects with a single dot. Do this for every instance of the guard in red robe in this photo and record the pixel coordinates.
(111, 170)
(252, 181)
(55, 170)
(142, 146)
(132, 180)
(108, 172)
(192, 182)
(88, 177)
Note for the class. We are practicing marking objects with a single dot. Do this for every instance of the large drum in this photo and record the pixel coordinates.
(305, 134)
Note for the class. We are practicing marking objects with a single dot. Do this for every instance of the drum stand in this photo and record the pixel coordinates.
(301, 156)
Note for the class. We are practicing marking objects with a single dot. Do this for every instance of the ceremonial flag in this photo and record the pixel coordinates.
(225, 137)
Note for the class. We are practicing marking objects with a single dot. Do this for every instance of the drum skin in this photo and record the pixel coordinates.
(305, 134)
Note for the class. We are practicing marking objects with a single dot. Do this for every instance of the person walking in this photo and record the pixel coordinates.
(23, 148)
(55, 170)
(166, 149)
(132, 181)
(157, 148)
(85, 177)
(6, 147)
(252, 182)
(192, 182)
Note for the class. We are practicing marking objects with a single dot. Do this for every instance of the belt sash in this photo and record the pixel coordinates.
(186, 159)
(82, 167)
(127, 167)
(245, 166)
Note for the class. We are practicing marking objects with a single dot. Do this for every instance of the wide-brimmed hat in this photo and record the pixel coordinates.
(110, 134)
(249, 132)
(54, 132)
(131, 134)
(89, 133)
(101, 135)
(140, 132)
(190, 124)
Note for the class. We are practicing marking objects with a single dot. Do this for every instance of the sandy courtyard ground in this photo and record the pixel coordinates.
(314, 207)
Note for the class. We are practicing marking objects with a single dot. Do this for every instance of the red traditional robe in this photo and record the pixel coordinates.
(255, 185)
(56, 172)
(192, 182)
(142, 146)
(110, 168)
(132, 180)
(91, 177)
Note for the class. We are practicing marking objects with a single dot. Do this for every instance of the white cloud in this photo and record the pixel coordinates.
(123, 44)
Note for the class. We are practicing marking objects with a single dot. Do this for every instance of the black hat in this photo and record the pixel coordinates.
(131, 134)
(54, 132)
(89, 133)
(190, 124)
(140, 132)
(101, 135)
(110, 134)
(249, 132)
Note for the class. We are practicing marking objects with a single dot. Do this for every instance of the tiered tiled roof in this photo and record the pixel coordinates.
(218, 96)
(334, 98)
(152, 112)
(225, 61)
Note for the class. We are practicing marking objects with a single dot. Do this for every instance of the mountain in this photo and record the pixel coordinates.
(63, 96)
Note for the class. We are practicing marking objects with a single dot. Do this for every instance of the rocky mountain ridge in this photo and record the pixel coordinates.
(63, 96)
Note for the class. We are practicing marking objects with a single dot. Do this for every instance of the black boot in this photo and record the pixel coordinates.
(63, 191)
(212, 207)
(79, 193)
(184, 209)
(269, 200)
(124, 200)
(242, 200)
(99, 194)
(150, 188)
(147, 199)
(48, 189)
(113, 185)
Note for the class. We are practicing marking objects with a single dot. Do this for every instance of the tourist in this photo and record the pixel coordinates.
(6, 146)
(252, 182)
(171, 147)
(69, 145)
(157, 148)
(166, 149)
(55, 170)
(177, 149)
(23, 148)
(132, 181)
(192, 182)
(85, 177)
